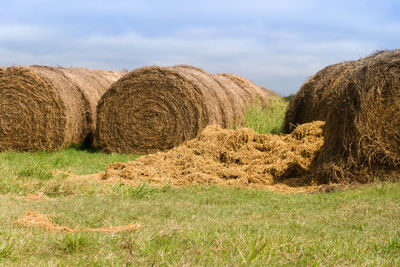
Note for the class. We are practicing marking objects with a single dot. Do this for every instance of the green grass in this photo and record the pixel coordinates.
(210, 226)
(197, 225)
(266, 120)
(24, 172)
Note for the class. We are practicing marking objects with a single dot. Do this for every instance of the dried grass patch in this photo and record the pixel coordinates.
(34, 219)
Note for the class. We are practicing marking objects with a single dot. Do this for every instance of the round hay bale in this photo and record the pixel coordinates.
(360, 102)
(156, 108)
(48, 108)
(362, 132)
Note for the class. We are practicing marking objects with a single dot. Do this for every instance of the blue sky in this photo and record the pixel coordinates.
(276, 44)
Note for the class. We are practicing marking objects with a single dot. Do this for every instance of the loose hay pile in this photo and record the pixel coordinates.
(361, 107)
(228, 157)
(34, 219)
(47, 108)
(157, 108)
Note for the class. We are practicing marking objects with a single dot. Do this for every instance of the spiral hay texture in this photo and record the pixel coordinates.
(361, 107)
(48, 108)
(156, 108)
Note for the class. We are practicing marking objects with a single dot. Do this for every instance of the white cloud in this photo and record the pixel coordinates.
(21, 32)
(287, 61)
(277, 44)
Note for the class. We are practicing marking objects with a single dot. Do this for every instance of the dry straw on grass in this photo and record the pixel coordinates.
(38, 196)
(34, 219)
(361, 107)
(228, 157)
(157, 108)
(47, 108)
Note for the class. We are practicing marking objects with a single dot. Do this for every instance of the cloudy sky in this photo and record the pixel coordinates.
(277, 44)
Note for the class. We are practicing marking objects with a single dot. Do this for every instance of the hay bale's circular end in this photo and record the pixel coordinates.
(32, 115)
(151, 108)
(156, 108)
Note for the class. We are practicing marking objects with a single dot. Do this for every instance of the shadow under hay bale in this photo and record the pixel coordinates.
(48, 108)
(156, 108)
(362, 112)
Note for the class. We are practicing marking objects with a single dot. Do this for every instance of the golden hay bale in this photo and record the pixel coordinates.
(47, 108)
(228, 157)
(156, 108)
(361, 107)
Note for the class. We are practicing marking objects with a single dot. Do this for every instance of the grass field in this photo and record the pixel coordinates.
(266, 120)
(195, 225)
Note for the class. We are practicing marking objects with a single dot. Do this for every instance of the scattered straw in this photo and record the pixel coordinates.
(72, 176)
(34, 219)
(39, 196)
(286, 189)
(228, 157)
